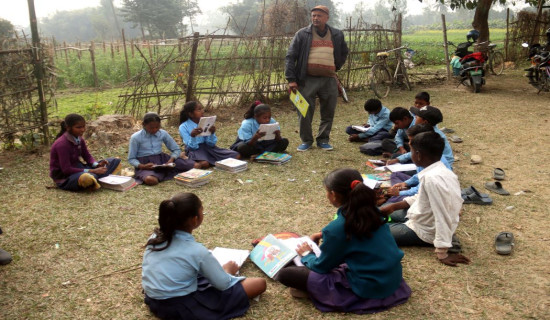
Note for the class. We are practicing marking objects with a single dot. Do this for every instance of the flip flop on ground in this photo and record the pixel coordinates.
(455, 139)
(476, 198)
(504, 242)
(498, 174)
(496, 187)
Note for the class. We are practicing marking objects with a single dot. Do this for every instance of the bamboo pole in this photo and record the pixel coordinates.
(506, 43)
(446, 46)
(125, 55)
(92, 57)
(65, 49)
(190, 79)
(39, 72)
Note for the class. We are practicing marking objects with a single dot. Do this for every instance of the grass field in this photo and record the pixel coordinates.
(78, 255)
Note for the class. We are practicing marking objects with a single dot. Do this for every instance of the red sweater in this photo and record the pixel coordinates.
(64, 157)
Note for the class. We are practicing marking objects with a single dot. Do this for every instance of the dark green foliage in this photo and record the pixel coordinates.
(6, 28)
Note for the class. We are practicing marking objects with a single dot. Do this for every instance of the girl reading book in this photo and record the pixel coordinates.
(200, 148)
(145, 153)
(181, 278)
(72, 167)
(249, 137)
(359, 264)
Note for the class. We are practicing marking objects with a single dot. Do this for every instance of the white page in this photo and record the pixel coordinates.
(114, 179)
(292, 243)
(371, 183)
(224, 255)
(205, 123)
(401, 167)
(269, 130)
(360, 128)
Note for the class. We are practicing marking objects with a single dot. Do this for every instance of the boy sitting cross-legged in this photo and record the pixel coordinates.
(431, 216)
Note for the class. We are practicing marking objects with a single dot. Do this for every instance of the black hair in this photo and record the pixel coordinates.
(188, 107)
(419, 128)
(399, 113)
(372, 105)
(358, 203)
(69, 121)
(429, 144)
(150, 117)
(173, 214)
(423, 96)
(256, 109)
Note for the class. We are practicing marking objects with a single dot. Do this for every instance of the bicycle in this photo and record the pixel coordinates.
(495, 62)
(382, 79)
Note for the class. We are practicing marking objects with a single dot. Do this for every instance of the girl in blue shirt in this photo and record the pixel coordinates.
(181, 278)
(247, 143)
(359, 269)
(201, 149)
(145, 151)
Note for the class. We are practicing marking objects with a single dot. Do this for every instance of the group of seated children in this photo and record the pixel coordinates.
(73, 168)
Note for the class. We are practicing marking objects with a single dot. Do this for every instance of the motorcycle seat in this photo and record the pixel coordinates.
(492, 45)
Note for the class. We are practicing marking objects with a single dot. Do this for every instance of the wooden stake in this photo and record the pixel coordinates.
(92, 57)
(190, 79)
(446, 46)
(125, 55)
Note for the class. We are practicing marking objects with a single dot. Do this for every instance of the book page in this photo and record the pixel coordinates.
(224, 255)
(360, 128)
(205, 123)
(295, 242)
(114, 179)
(401, 167)
(371, 183)
(269, 130)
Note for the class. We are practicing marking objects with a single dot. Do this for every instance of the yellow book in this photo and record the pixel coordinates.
(299, 101)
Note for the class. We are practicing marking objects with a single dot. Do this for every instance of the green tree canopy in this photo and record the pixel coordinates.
(6, 28)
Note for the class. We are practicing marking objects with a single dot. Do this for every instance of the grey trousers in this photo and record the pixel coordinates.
(327, 90)
(403, 235)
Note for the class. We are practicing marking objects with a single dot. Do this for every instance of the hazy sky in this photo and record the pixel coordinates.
(17, 11)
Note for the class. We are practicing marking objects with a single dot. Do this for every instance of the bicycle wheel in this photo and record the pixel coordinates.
(405, 77)
(380, 81)
(497, 63)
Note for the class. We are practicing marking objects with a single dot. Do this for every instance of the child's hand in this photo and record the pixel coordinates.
(303, 249)
(212, 129)
(453, 259)
(392, 161)
(231, 267)
(277, 134)
(147, 166)
(102, 163)
(100, 170)
(393, 191)
(316, 237)
(259, 134)
(402, 150)
(353, 137)
(170, 161)
(196, 132)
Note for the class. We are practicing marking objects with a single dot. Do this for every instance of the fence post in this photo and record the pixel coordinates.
(507, 34)
(189, 93)
(92, 56)
(125, 55)
(65, 49)
(132, 46)
(39, 72)
(446, 46)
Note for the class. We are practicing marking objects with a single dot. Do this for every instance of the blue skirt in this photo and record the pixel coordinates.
(331, 292)
(210, 154)
(205, 303)
(162, 174)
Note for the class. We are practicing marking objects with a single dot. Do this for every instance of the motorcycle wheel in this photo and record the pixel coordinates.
(381, 81)
(476, 87)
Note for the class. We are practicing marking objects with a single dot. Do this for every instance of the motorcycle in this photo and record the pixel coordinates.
(539, 71)
(469, 66)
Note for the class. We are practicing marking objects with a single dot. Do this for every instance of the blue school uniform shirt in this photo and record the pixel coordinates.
(374, 264)
(194, 142)
(414, 182)
(249, 127)
(144, 144)
(173, 272)
(447, 151)
(377, 122)
(401, 134)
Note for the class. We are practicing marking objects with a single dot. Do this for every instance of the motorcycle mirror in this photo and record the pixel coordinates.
(525, 45)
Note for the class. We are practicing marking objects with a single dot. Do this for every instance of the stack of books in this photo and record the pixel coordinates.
(273, 157)
(232, 165)
(193, 178)
(117, 183)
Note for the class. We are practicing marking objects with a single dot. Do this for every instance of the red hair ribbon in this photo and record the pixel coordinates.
(257, 103)
(354, 183)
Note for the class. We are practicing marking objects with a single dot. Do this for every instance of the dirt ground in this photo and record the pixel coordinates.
(78, 256)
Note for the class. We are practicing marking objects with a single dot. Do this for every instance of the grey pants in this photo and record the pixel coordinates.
(403, 235)
(327, 90)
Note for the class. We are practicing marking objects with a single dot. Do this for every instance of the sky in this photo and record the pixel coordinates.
(17, 12)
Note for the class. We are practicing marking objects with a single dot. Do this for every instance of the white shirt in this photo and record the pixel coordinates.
(433, 211)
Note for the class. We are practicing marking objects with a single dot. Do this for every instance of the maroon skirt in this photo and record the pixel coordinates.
(331, 292)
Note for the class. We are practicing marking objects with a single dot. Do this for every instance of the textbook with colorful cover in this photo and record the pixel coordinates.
(193, 177)
(232, 165)
(299, 101)
(273, 157)
(117, 183)
(272, 254)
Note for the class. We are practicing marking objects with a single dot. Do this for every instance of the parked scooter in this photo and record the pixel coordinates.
(539, 72)
(468, 65)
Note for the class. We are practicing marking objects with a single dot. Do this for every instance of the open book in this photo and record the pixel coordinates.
(224, 255)
(397, 167)
(164, 166)
(272, 254)
(205, 123)
(269, 130)
(361, 128)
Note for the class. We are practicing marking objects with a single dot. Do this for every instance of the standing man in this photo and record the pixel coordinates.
(315, 54)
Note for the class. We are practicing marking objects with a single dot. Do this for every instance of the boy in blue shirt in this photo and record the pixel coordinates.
(377, 128)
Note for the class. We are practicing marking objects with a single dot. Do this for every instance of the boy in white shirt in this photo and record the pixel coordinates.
(431, 216)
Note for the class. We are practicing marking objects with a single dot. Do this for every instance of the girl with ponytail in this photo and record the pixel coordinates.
(178, 271)
(360, 264)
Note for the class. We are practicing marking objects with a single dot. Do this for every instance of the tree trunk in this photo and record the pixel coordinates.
(481, 19)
